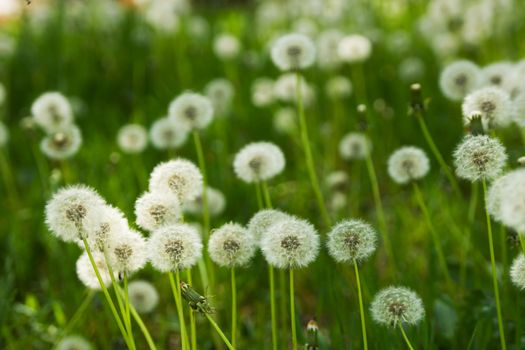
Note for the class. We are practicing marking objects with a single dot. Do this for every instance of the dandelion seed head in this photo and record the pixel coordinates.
(86, 274)
(408, 164)
(127, 251)
(511, 192)
(191, 111)
(285, 89)
(355, 145)
(285, 120)
(459, 79)
(327, 49)
(132, 138)
(258, 161)
(338, 87)
(351, 240)
(174, 247)
(52, 112)
(231, 245)
(143, 296)
(220, 92)
(216, 203)
(499, 191)
(496, 74)
(493, 103)
(263, 92)
(262, 220)
(478, 157)
(74, 342)
(226, 46)
(293, 52)
(156, 209)
(354, 48)
(180, 177)
(517, 272)
(111, 223)
(165, 134)
(62, 144)
(394, 305)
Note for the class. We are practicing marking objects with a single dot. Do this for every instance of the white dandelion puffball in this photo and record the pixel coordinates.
(62, 144)
(226, 46)
(132, 138)
(517, 272)
(338, 87)
(74, 212)
(355, 145)
(262, 92)
(4, 134)
(143, 296)
(52, 111)
(231, 245)
(407, 164)
(191, 111)
(459, 79)
(327, 46)
(111, 223)
(493, 103)
(220, 92)
(156, 209)
(351, 241)
(337, 180)
(263, 219)
(285, 120)
(128, 252)
(258, 161)
(478, 157)
(519, 107)
(503, 188)
(86, 273)
(165, 134)
(285, 89)
(496, 74)
(512, 202)
(290, 243)
(395, 305)
(293, 52)
(174, 247)
(74, 342)
(180, 177)
(162, 16)
(216, 203)
(354, 48)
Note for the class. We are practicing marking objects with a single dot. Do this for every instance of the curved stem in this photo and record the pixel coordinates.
(220, 332)
(494, 272)
(234, 307)
(175, 288)
(292, 311)
(272, 306)
(405, 336)
(361, 308)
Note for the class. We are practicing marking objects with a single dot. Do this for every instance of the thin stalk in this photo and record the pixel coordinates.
(361, 308)
(220, 332)
(126, 304)
(266, 193)
(193, 326)
(494, 273)
(473, 204)
(405, 336)
(308, 154)
(522, 242)
(272, 306)
(437, 154)
(259, 195)
(435, 238)
(234, 307)
(175, 288)
(292, 311)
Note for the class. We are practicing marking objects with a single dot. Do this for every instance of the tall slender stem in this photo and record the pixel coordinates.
(220, 332)
(234, 307)
(522, 242)
(405, 336)
(193, 326)
(175, 288)
(260, 203)
(126, 305)
(308, 153)
(266, 193)
(292, 311)
(361, 308)
(272, 306)
(494, 272)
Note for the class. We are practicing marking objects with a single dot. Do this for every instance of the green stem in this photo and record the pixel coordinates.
(308, 153)
(234, 307)
(522, 242)
(361, 308)
(193, 326)
(76, 316)
(435, 238)
(219, 331)
(473, 204)
(292, 311)
(494, 272)
(267, 197)
(259, 195)
(126, 303)
(175, 288)
(272, 306)
(405, 336)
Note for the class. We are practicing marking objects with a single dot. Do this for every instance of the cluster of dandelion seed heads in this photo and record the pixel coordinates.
(231, 245)
(459, 79)
(165, 134)
(86, 273)
(180, 177)
(290, 243)
(132, 138)
(479, 157)
(62, 143)
(174, 247)
(492, 103)
(355, 145)
(517, 272)
(143, 296)
(394, 305)
(407, 164)
(262, 220)
(293, 52)
(216, 203)
(351, 240)
(52, 112)
(191, 111)
(156, 209)
(258, 161)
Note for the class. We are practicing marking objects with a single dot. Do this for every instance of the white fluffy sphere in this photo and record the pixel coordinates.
(180, 177)
(258, 161)
(231, 245)
(407, 164)
(293, 52)
(191, 111)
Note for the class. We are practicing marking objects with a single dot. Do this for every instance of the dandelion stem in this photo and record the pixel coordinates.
(219, 331)
(259, 195)
(126, 303)
(405, 336)
(494, 272)
(234, 307)
(272, 306)
(522, 242)
(175, 288)
(266, 193)
(308, 153)
(292, 311)
(361, 308)
(433, 233)
(193, 326)
(76, 316)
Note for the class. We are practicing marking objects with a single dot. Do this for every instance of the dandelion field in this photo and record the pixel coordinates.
(262, 175)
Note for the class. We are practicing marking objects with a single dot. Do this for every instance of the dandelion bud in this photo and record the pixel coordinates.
(226, 47)
(132, 138)
(196, 301)
(475, 123)
(394, 305)
(174, 247)
(73, 342)
(262, 220)
(156, 209)
(62, 144)
(517, 272)
(478, 157)
(354, 48)
(293, 52)
(493, 103)
(4, 135)
(191, 111)
(216, 203)
(290, 243)
(74, 212)
(408, 164)
(459, 79)
(86, 273)
(52, 111)
(258, 161)
(416, 103)
(143, 296)
(521, 161)
(351, 240)
(127, 252)
(180, 177)
(355, 145)
(312, 332)
(165, 134)
(231, 245)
